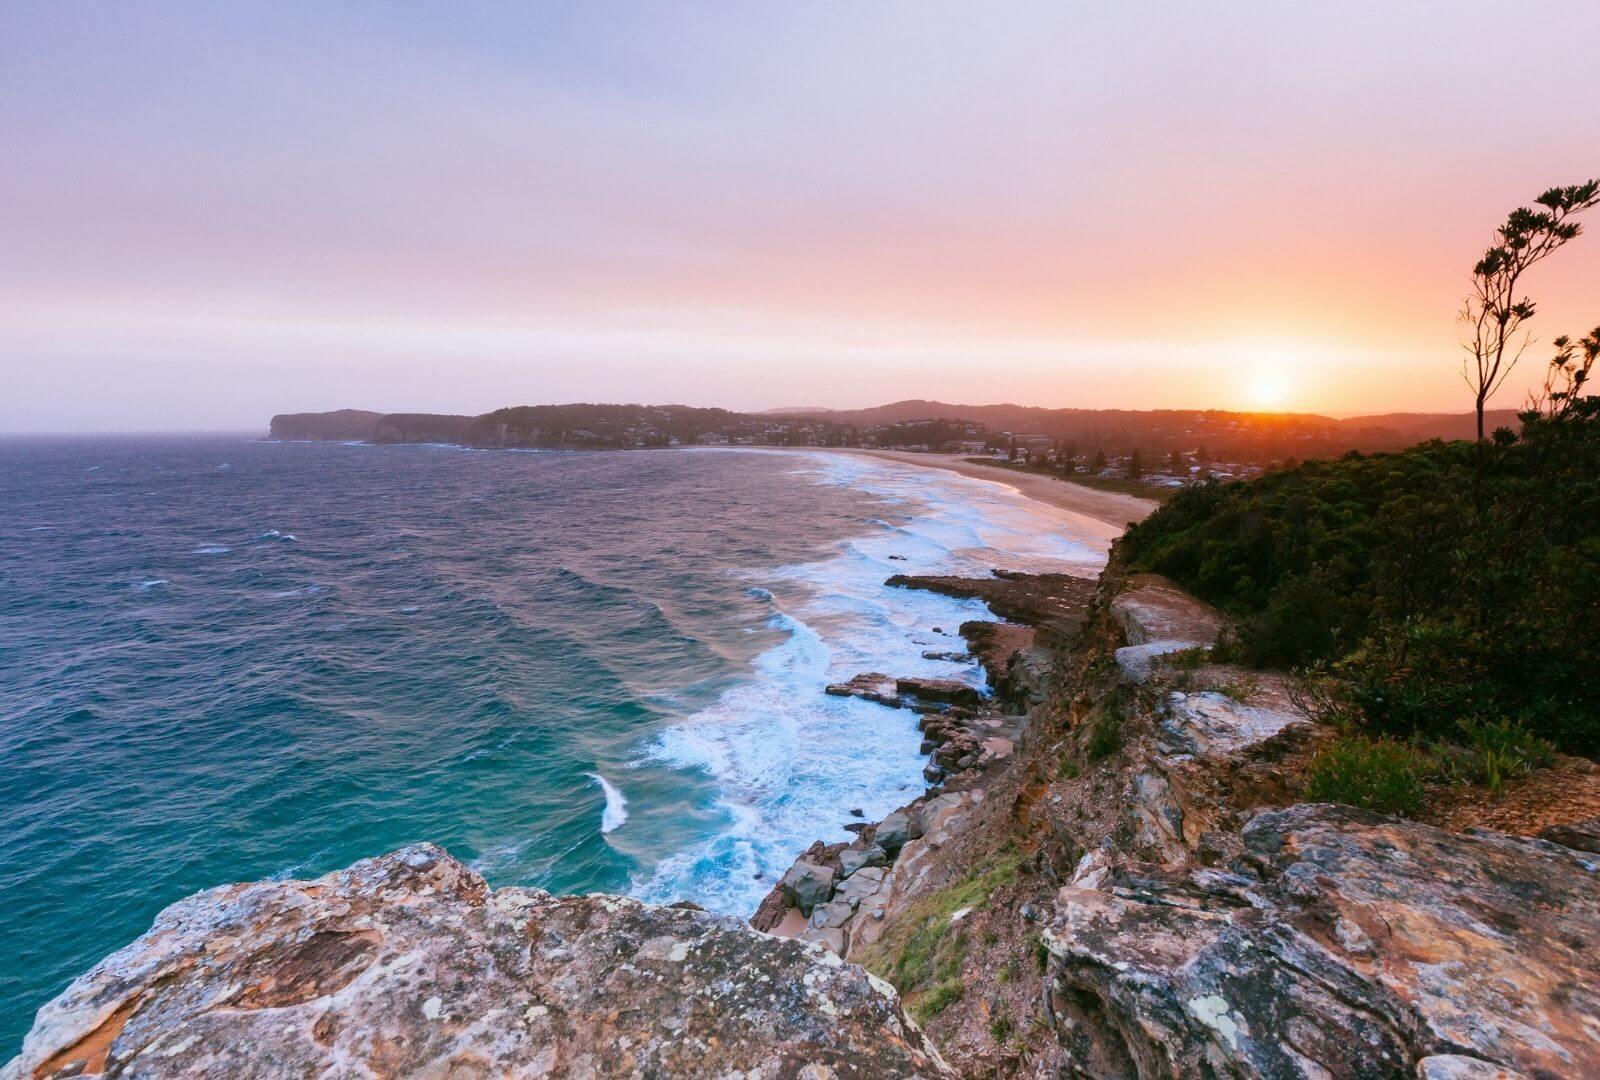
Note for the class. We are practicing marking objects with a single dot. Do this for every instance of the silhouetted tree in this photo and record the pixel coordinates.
(1495, 311)
(1567, 375)
(1099, 461)
(1135, 466)
(1176, 464)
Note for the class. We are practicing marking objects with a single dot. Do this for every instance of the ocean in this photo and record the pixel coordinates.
(224, 659)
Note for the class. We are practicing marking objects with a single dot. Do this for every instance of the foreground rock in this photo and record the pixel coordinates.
(409, 965)
(1345, 944)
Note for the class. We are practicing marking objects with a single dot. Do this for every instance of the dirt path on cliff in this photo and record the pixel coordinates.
(1110, 509)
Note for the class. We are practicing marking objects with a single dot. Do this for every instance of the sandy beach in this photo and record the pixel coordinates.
(1112, 509)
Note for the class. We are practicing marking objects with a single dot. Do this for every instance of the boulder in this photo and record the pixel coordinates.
(408, 965)
(831, 915)
(831, 939)
(1150, 608)
(1209, 724)
(853, 859)
(1357, 946)
(808, 884)
(1159, 618)
(893, 831)
(859, 884)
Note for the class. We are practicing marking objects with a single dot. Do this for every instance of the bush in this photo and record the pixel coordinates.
(1439, 590)
(1105, 734)
(1494, 752)
(1375, 774)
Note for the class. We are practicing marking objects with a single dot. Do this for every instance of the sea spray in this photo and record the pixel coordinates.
(615, 814)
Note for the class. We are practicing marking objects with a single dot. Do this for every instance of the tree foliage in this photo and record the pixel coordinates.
(1496, 308)
(1362, 565)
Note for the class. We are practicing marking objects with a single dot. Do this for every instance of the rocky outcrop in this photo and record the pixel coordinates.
(1158, 618)
(1341, 944)
(923, 694)
(408, 965)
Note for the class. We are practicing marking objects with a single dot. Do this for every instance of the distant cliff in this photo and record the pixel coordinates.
(422, 428)
(338, 425)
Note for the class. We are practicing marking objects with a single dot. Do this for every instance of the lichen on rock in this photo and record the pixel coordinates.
(409, 965)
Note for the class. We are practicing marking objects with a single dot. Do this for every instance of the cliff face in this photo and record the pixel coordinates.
(341, 425)
(1135, 889)
(408, 965)
(421, 428)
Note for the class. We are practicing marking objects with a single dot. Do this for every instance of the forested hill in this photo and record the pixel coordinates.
(1228, 435)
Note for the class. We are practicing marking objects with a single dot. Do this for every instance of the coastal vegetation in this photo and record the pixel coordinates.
(1448, 594)
(922, 954)
(1437, 601)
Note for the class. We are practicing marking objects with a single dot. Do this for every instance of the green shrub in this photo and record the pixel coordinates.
(1375, 774)
(1105, 733)
(1441, 582)
(1000, 1026)
(1496, 751)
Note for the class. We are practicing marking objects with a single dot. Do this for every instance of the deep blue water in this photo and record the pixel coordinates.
(223, 659)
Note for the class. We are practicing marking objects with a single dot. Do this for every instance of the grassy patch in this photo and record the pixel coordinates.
(921, 953)
(1105, 731)
(1375, 774)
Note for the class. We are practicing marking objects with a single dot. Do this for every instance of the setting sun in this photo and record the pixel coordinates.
(1267, 389)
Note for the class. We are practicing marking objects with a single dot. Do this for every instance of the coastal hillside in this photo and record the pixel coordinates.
(1209, 434)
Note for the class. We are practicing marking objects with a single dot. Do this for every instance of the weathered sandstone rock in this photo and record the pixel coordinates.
(1355, 946)
(408, 965)
(1159, 618)
(1210, 724)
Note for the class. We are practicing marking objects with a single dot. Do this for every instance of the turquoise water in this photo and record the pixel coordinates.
(223, 659)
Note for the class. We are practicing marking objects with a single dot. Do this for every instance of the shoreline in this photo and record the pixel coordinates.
(1111, 510)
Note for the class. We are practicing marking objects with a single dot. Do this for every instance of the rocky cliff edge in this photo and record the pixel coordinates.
(409, 965)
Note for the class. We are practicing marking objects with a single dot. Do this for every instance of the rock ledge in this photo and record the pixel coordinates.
(409, 965)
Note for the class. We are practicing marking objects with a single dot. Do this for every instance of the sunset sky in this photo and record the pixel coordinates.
(211, 212)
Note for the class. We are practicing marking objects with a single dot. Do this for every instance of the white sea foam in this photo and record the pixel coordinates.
(274, 534)
(211, 549)
(789, 762)
(615, 814)
(146, 586)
